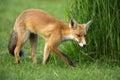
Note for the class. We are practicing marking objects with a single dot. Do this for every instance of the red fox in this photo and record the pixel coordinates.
(33, 22)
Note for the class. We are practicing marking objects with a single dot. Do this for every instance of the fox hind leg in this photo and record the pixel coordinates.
(33, 42)
(22, 37)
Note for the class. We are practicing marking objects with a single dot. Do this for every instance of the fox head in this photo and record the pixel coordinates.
(79, 31)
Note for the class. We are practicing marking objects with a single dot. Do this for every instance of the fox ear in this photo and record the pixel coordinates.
(73, 24)
(88, 24)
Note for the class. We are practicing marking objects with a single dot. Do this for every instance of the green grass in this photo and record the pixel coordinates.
(87, 67)
(29, 71)
(103, 36)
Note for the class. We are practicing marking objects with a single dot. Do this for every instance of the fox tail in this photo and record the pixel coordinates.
(12, 44)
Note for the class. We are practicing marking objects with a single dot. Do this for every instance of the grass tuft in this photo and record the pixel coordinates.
(103, 36)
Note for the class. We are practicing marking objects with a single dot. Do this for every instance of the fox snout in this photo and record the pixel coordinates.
(82, 44)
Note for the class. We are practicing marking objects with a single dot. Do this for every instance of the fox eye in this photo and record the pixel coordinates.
(78, 35)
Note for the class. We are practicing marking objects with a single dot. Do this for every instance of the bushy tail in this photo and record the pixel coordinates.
(12, 44)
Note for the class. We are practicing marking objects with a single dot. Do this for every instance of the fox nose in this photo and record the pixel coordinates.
(84, 45)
